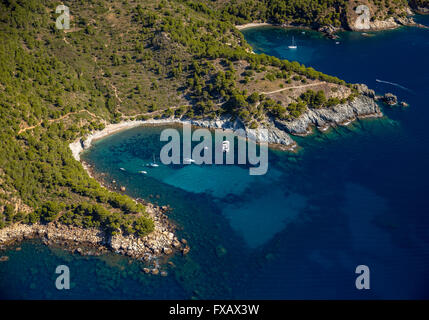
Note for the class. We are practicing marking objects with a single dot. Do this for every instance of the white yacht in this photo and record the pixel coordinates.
(153, 164)
(293, 45)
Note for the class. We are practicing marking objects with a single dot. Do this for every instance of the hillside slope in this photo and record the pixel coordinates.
(316, 13)
(133, 60)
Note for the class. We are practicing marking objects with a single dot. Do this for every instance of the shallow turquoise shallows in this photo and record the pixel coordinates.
(355, 195)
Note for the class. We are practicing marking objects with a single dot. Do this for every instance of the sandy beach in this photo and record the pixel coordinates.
(276, 138)
(78, 146)
(253, 25)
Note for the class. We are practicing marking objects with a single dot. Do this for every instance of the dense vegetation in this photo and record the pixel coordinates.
(40, 180)
(120, 60)
(314, 13)
(307, 12)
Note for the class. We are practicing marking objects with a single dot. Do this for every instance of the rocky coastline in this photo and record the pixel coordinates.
(363, 106)
(331, 31)
(163, 242)
(154, 248)
(278, 132)
(275, 137)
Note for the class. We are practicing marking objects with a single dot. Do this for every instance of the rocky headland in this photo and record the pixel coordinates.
(278, 132)
(163, 242)
(152, 248)
(363, 106)
(375, 23)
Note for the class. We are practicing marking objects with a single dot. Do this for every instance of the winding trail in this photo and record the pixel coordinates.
(55, 120)
(154, 112)
(296, 87)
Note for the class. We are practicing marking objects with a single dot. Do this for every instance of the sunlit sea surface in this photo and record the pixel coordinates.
(351, 196)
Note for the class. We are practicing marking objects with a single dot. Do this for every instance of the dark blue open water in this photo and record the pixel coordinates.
(354, 195)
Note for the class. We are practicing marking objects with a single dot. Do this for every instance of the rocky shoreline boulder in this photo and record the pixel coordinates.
(161, 242)
(390, 99)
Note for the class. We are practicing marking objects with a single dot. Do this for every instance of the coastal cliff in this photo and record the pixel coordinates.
(380, 16)
(277, 132)
(159, 244)
(188, 64)
(363, 106)
(327, 18)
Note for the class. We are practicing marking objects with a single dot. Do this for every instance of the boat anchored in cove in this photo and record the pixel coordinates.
(153, 164)
(293, 45)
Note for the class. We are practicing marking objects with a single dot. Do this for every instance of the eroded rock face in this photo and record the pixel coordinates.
(270, 131)
(391, 23)
(372, 19)
(271, 134)
(277, 132)
(51, 232)
(361, 107)
(161, 241)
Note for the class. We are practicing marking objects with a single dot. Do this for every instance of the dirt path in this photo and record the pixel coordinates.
(58, 119)
(153, 113)
(94, 116)
(296, 87)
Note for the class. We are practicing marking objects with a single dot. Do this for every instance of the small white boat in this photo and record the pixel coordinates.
(225, 146)
(293, 45)
(153, 164)
(122, 169)
(337, 42)
(143, 172)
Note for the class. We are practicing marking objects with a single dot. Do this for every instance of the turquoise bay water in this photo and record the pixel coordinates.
(354, 195)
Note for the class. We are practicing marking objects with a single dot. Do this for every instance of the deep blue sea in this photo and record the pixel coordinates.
(355, 195)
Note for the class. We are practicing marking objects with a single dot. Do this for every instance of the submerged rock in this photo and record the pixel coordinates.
(220, 251)
(146, 270)
(186, 250)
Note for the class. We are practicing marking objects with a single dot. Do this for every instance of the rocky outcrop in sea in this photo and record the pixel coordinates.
(362, 106)
(160, 243)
